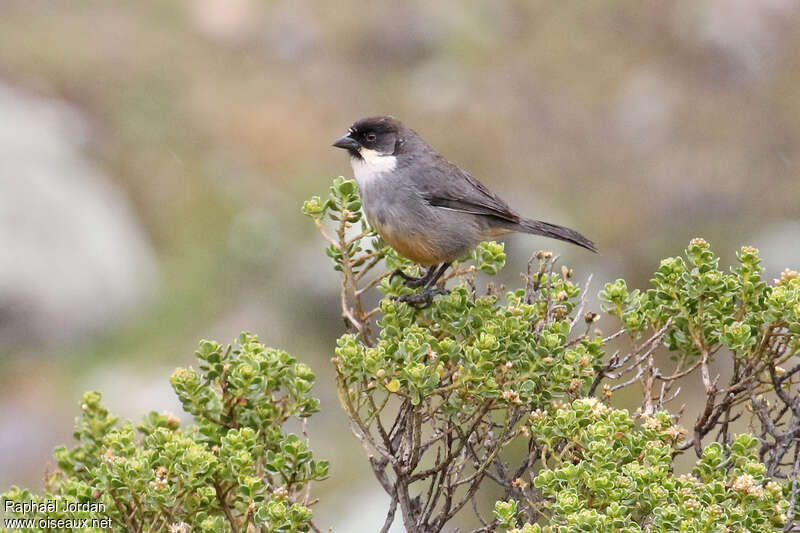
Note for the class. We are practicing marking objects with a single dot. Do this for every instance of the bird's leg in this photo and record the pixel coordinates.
(411, 281)
(435, 277)
(424, 298)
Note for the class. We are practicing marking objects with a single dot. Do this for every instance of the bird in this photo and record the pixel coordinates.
(428, 209)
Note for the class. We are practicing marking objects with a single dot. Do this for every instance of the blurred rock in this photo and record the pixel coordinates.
(74, 258)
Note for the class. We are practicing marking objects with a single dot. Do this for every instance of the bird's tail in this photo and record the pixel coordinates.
(537, 227)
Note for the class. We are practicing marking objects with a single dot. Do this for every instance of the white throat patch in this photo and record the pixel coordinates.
(371, 166)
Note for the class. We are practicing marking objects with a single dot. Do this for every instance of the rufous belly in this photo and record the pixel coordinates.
(412, 246)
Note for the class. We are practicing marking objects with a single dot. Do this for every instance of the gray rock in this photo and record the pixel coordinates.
(73, 257)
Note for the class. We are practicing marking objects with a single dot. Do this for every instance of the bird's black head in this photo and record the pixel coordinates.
(378, 135)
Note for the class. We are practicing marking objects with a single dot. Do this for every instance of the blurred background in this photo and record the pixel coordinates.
(154, 155)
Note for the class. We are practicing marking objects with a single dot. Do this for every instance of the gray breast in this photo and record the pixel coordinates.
(398, 213)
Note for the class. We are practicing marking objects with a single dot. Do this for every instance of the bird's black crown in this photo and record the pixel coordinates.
(377, 125)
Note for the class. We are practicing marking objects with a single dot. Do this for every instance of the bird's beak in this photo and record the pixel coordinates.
(346, 142)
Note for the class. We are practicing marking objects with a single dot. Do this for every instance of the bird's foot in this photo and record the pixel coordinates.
(422, 299)
(410, 281)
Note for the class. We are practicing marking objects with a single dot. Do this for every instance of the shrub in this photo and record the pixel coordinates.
(605, 471)
(510, 389)
(234, 470)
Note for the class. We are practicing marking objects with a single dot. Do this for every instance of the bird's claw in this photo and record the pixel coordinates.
(421, 299)
(409, 281)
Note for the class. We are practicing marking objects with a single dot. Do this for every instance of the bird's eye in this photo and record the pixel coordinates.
(370, 137)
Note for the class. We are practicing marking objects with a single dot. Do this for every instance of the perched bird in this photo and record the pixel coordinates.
(424, 206)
